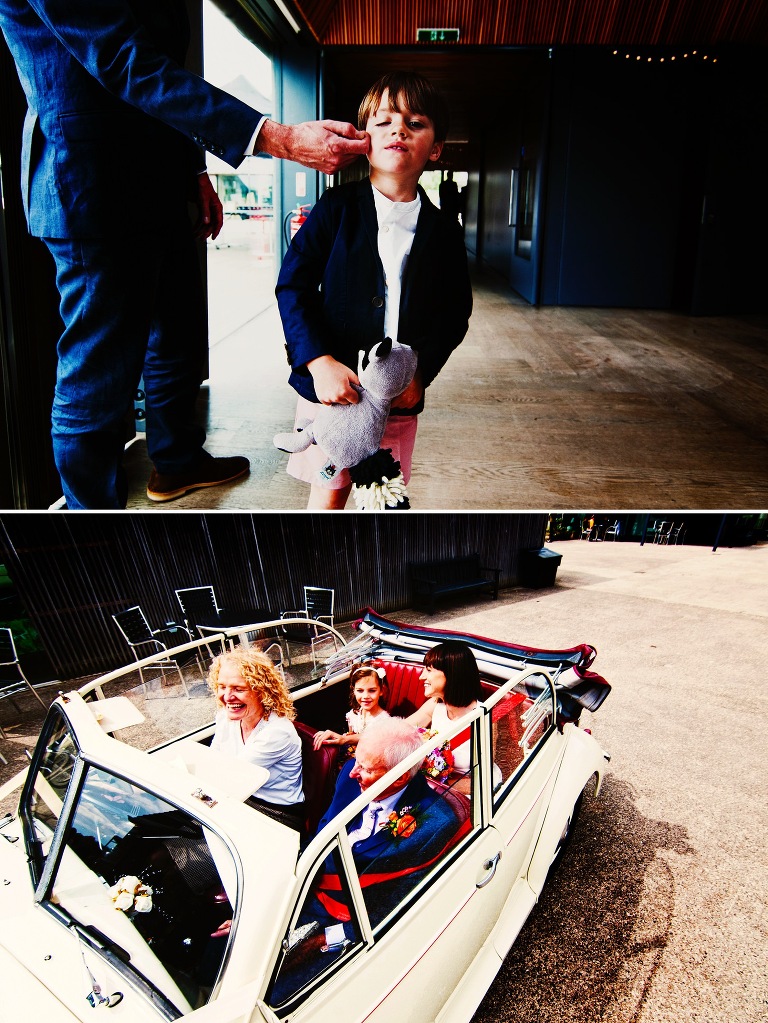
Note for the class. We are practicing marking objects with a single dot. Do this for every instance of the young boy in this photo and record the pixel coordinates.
(375, 259)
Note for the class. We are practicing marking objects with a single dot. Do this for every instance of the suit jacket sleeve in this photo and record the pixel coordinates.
(346, 790)
(298, 286)
(107, 40)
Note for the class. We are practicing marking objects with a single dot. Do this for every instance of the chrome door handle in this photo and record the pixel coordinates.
(490, 866)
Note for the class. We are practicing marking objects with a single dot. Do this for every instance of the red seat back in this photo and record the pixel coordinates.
(318, 776)
(406, 690)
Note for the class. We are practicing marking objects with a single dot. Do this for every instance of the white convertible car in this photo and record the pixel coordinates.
(121, 864)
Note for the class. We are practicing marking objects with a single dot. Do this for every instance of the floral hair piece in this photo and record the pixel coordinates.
(370, 669)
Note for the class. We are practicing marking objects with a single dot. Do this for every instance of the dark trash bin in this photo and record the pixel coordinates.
(538, 568)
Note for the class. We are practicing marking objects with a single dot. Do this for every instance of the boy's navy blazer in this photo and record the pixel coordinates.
(330, 289)
(115, 126)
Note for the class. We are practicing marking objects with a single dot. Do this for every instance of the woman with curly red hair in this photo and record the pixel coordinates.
(255, 723)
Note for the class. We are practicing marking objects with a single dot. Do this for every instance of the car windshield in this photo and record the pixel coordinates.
(143, 877)
(46, 789)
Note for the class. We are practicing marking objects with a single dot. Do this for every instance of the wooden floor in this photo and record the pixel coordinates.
(539, 409)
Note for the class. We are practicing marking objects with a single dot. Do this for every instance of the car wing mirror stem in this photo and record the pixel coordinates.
(95, 997)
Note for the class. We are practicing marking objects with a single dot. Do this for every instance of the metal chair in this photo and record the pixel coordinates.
(612, 531)
(196, 603)
(664, 533)
(677, 535)
(137, 633)
(318, 605)
(13, 681)
(651, 531)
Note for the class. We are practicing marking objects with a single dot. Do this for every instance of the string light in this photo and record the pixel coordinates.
(667, 57)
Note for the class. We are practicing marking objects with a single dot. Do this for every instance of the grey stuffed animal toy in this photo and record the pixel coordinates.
(350, 435)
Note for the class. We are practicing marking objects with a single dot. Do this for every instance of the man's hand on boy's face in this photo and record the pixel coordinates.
(412, 395)
(334, 382)
(326, 146)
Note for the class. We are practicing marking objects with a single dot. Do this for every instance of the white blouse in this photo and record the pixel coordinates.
(461, 754)
(274, 744)
(356, 720)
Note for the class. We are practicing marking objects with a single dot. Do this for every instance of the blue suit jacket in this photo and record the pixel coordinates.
(115, 125)
(331, 286)
(382, 854)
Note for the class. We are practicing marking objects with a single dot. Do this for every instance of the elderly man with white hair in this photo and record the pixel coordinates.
(399, 836)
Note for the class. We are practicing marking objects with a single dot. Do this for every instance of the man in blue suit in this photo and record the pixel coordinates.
(399, 836)
(401, 833)
(105, 88)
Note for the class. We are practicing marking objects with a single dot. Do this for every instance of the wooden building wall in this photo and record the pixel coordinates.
(73, 572)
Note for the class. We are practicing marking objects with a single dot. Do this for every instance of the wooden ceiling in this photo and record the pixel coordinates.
(539, 22)
(474, 83)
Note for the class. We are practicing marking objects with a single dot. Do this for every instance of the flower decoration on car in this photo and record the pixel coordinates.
(401, 823)
(440, 762)
(130, 894)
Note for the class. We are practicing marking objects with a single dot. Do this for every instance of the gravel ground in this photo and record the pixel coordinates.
(657, 912)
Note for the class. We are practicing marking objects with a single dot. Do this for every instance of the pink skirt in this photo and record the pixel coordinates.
(399, 435)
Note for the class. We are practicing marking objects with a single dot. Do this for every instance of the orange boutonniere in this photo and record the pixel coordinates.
(401, 823)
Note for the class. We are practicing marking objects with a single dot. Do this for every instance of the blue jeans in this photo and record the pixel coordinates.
(130, 306)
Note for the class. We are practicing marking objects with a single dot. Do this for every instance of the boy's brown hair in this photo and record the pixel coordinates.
(411, 91)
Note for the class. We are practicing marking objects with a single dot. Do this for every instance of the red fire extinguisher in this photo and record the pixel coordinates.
(298, 216)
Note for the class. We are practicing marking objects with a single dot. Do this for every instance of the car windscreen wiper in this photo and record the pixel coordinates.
(119, 958)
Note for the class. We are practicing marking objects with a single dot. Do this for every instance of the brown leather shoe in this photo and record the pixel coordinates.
(210, 472)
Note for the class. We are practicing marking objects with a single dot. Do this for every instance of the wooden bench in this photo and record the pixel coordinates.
(432, 580)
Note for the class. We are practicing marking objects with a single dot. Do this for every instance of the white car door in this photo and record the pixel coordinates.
(527, 749)
(409, 967)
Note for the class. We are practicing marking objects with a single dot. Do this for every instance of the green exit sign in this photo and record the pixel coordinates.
(437, 35)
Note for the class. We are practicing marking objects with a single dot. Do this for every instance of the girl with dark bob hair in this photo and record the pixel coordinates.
(462, 678)
(452, 689)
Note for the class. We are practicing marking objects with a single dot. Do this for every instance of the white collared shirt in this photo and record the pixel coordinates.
(397, 227)
(366, 829)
